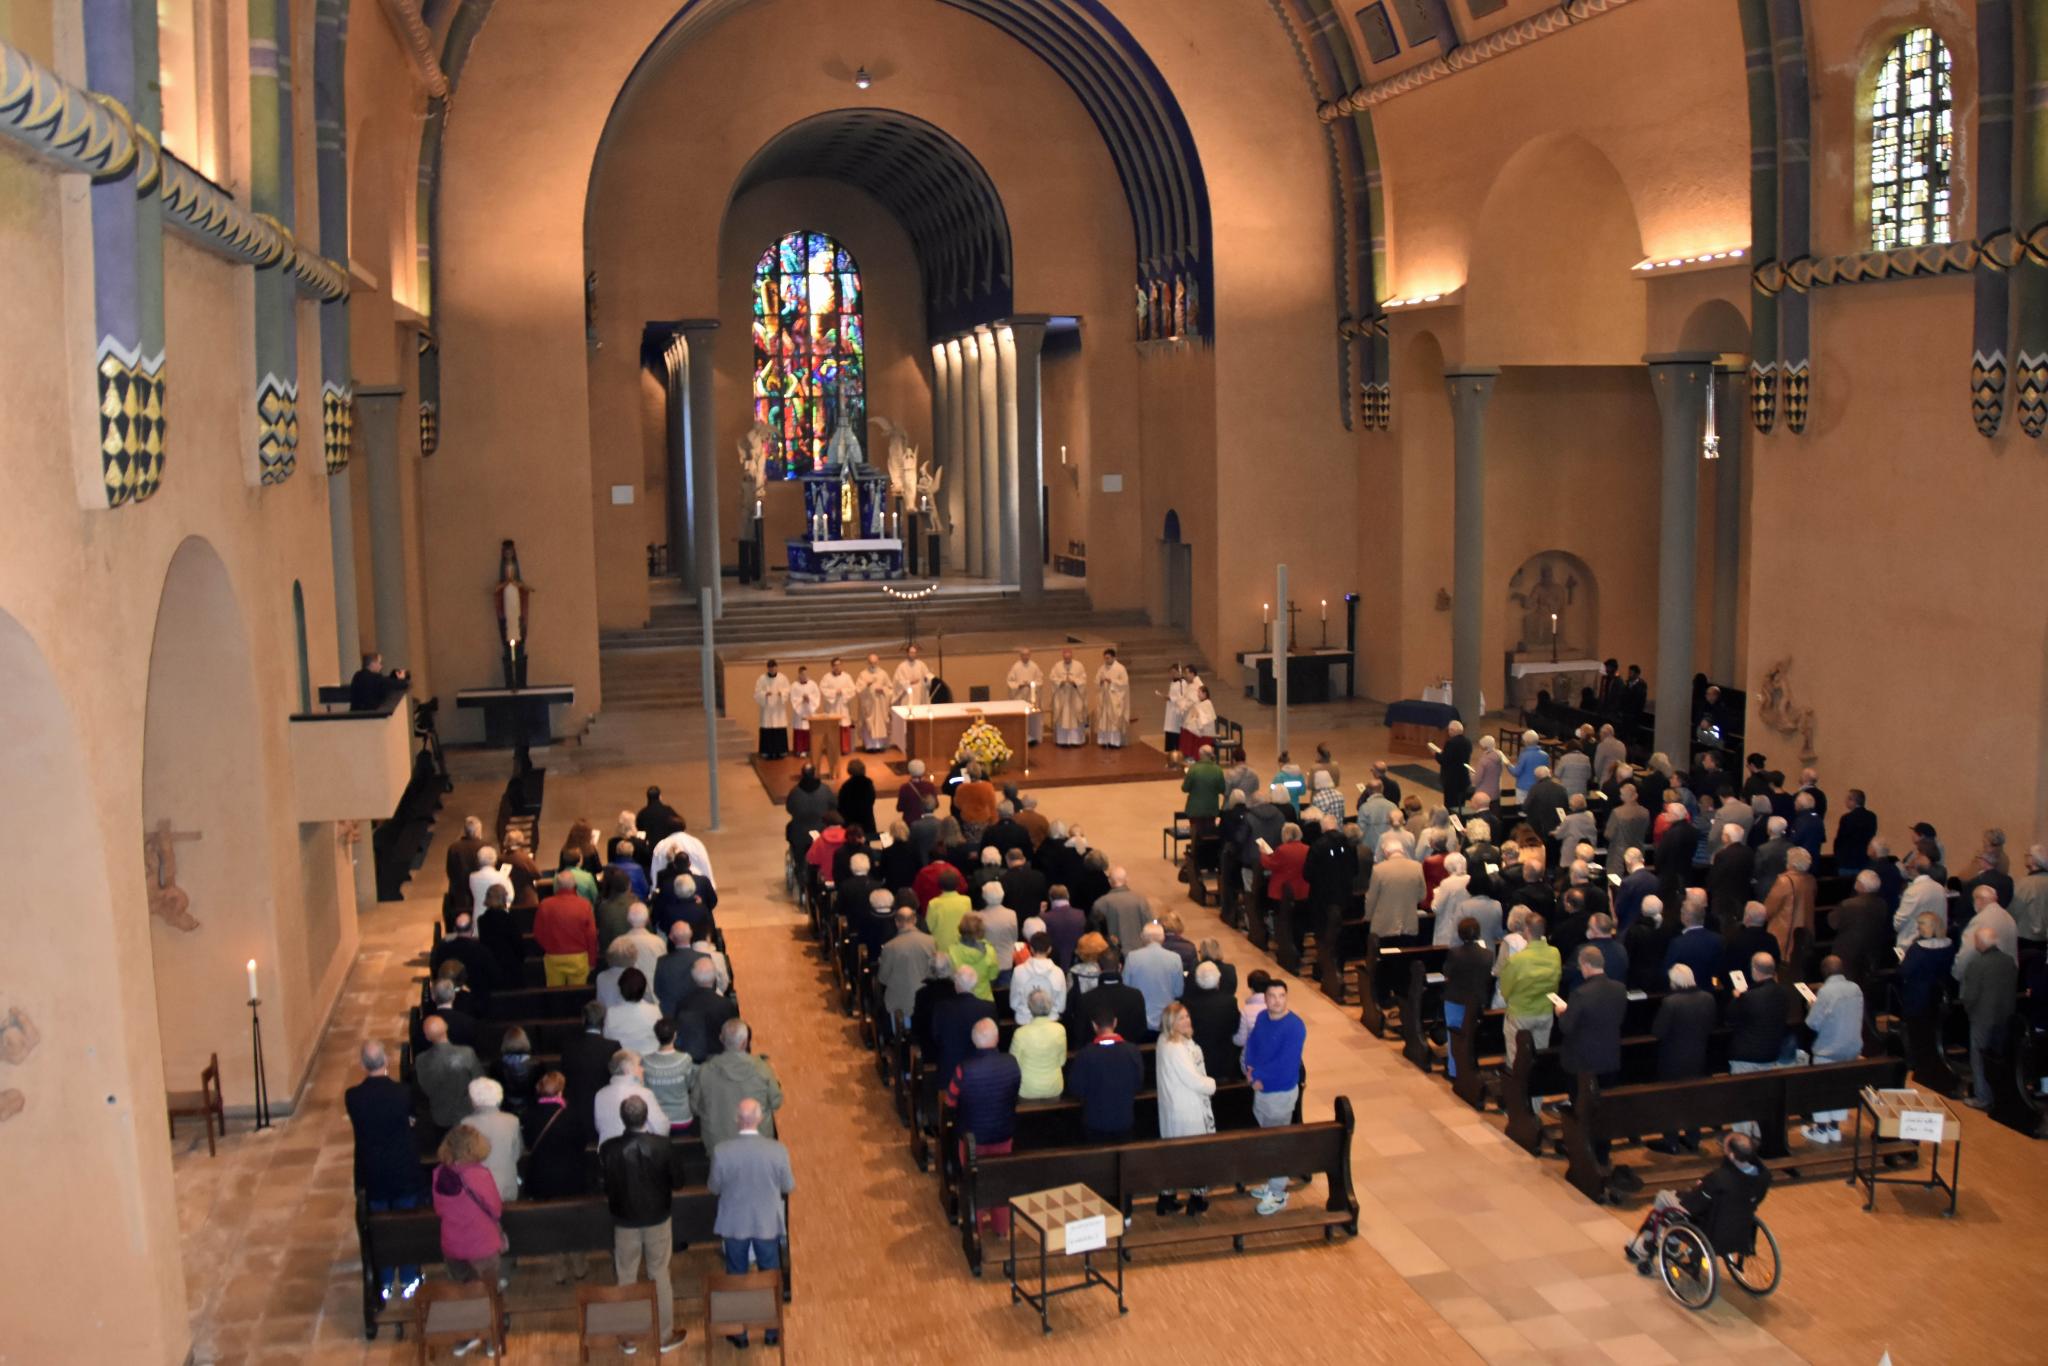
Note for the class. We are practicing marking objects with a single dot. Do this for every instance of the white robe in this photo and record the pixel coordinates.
(872, 707)
(771, 695)
(1112, 704)
(804, 701)
(913, 683)
(1201, 718)
(835, 696)
(1177, 698)
(1069, 702)
(1027, 684)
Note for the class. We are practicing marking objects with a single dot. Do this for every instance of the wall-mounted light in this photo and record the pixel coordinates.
(861, 79)
(1710, 445)
(1706, 260)
(1443, 298)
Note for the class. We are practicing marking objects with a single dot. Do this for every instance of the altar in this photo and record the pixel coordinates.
(1563, 679)
(852, 532)
(932, 732)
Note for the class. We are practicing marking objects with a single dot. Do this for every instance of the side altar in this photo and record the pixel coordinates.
(851, 536)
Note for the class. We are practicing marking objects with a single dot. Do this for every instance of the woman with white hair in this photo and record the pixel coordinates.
(1531, 758)
(1788, 906)
(1326, 798)
(501, 1130)
(1451, 893)
(1486, 769)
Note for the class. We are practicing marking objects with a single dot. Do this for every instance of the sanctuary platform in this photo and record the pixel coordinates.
(1048, 766)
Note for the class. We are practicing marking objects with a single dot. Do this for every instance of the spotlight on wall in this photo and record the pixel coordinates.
(1706, 260)
(1444, 297)
(861, 79)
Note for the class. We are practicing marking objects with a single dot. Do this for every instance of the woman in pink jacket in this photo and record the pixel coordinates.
(466, 1199)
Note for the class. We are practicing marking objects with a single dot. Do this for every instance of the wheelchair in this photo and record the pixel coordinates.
(1690, 1266)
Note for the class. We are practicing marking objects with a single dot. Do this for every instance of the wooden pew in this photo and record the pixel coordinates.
(1127, 1172)
(1383, 977)
(1769, 1099)
(1343, 941)
(536, 1228)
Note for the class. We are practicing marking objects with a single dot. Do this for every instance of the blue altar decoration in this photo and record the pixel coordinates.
(851, 532)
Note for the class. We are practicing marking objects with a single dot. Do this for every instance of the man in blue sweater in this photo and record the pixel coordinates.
(1105, 1077)
(1272, 1062)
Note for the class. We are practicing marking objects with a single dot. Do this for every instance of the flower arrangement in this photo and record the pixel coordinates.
(984, 744)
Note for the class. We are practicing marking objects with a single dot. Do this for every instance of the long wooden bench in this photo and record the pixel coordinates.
(1345, 939)
(1127, 1172)
(535, 1228)
(1769, 1099)
(1383, 977)
(927, 1087)
(1057, 1123)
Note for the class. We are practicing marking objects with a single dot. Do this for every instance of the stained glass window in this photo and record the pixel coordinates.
(809, 373)
(1912, 137)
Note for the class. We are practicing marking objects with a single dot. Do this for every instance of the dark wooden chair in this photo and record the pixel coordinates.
(205, 1103)
(735, 1304)
(615, 1315)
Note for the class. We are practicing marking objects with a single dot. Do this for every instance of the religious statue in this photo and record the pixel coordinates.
(167, 900)
(514, 601)
(842, 452)
(1545, 606)
(902, 466)
(1776, 709)
(754, 468)
(18, 1039)
(928, 480)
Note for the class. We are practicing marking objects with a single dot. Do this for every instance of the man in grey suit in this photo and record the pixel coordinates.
(903, 964)
(750, 1175)
(1122, 912)
(1628, 826)
(1393, 898)
(444, 1072)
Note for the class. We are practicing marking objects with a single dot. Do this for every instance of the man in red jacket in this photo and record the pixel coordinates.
(566, 931)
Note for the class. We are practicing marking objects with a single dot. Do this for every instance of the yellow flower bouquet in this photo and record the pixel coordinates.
(984, 744)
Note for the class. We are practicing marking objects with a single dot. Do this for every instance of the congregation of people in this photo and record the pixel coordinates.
(663, 1058)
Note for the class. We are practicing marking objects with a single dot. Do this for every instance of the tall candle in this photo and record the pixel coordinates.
(1326, 609)
(1553, 623)
(1265, 613)
(252, 979)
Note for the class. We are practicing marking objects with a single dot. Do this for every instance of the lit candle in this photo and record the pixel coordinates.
(252, 979)
(1265, 613)
(1553, 623)
(1326, 609)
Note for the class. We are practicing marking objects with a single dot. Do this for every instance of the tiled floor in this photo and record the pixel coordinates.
(1470, 1249)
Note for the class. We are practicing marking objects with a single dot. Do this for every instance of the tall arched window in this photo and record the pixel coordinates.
(299, 634)
(809, 371)
(193, 72)
(1912, 138)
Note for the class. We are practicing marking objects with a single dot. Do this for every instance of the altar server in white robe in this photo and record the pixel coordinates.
(1198, 727)
(1177, 698)
(873, 690)
(1027, 682)
(1112, 702)
(771, 695)
(913, 681)
(836, 693)
(804, 701)
(1069, 700)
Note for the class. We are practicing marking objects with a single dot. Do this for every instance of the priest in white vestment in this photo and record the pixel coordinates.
(829, 735)
(871, 705)
(1026, 680)
(804, 701)
(771, 695)
(913, 681)
(1069, 700)
(1112, 702)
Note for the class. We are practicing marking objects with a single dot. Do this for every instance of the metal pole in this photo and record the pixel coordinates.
(1280, 643)
(705, 612)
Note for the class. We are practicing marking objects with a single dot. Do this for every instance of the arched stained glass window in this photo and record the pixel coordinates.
(1912, 138)
(809, 374)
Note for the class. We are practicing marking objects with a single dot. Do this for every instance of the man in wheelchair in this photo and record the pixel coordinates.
(1723, 1205)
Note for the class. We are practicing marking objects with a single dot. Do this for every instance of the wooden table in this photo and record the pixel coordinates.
(932, 732)
(1056, 1218)
(1892, 1114)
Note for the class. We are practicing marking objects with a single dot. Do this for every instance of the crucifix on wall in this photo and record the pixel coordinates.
(167, 900)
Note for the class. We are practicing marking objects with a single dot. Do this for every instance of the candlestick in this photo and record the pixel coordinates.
(1326, 609)
(1265, 613)
(252, 979)
(1553, 623)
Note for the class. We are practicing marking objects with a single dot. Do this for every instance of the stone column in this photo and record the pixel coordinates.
(1471, 388)
(1730, 417)
(952, 499)
(341, 528)
(699, 435)
(1027, 341)
(378, 413)
(942, 413)
(991, 457)
(1680, 382)
(972, 542)
(682, 555)
(1009, 493)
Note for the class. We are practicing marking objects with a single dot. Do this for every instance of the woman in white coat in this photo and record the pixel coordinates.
(1185, 1091)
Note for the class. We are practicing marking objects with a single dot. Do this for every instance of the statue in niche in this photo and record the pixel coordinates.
(18, 1039)
(1776, 709)
(513, 598)
(928, 481)
(167, 900)
(753, 449)
(1546, 606)
(902, 465)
